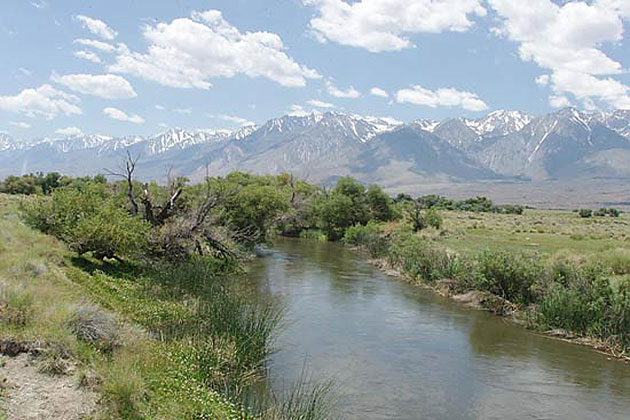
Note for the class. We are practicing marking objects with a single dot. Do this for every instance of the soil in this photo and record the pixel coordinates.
(30, 394)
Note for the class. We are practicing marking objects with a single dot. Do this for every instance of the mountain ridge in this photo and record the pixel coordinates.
(501, 145)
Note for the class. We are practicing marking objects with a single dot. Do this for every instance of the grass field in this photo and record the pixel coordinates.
(543, 231)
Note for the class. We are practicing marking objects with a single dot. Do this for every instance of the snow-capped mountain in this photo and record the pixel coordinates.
(464, 132)
(499, 123)
(6, 142)
(551, 146)
(323, 146)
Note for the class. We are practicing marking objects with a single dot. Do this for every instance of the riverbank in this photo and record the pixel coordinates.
(82, 337)
(583, 302)
(484, 301)
(89, 327)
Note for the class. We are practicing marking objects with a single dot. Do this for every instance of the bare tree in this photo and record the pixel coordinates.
(126, 172)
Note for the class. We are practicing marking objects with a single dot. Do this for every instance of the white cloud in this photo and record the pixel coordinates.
(69, 131)
(45, 101)
(24, 71)
(567, 39)
(383, 25)
(559, 101)
(320, 104)
(188, 52)
(297, 111)
(119, 115)
(232, 119)
(107, 86)
(376, 91)
(183, 111)
(39, 4)
(350, 93)
(159, 107)
(542, 80)
(418, 95)
(20, 124)
(87, 55)
(96, 44)
(97, 27)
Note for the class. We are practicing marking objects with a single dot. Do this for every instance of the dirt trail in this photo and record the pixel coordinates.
(30, 394)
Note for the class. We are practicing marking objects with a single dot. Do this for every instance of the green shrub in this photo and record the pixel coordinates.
(369, 238)
(416, 258)
(585, 213)
(433, 218)
(89, 220)
(509, 275)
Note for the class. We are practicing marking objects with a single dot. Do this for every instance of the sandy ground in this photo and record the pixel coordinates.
(29, 394)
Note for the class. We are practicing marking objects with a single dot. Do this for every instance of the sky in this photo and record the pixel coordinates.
(137, 67)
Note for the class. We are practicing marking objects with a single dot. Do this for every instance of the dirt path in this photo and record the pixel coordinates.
(29, 394)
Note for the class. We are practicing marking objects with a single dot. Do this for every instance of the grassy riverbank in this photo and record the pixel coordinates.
(555, 271)
(178, 341)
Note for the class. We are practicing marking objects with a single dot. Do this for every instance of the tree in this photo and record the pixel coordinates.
(353, 190)
(379, 204)
(254, 208)
(335, 215)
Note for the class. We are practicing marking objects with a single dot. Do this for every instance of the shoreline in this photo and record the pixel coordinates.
(474, 300)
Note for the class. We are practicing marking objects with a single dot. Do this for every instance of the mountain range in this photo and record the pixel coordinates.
(503, 146)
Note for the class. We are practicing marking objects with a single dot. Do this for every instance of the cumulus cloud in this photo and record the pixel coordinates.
(383, 25)
(450, 97)
(567, 39)
(107, 86)
(376, 91)
(45, 101)
(20, 124)
(320, 104)
(183, 111)
(97, 27)
(350, 93)
(87, 55)
(119, 115)
(188, 52)
(69, 131)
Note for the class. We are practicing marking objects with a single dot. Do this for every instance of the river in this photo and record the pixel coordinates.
(397, 351)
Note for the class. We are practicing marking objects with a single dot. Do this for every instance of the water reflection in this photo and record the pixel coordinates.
(402, 352)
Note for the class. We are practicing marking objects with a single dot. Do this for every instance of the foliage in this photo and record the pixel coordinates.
(254, 208)
(433, 218)
(509, 275)
(585, 213)
(379, 204)
(612, 212)
(89, 220)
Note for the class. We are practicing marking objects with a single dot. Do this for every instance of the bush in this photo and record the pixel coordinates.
(95, 326)
(419, 260)
(368, 237)
(585, 213)
(433, 218)
(588, 305)
(509, 275)
(16, 305)
(89, 220)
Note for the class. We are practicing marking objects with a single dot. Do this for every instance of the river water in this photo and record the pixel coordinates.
(397, 351)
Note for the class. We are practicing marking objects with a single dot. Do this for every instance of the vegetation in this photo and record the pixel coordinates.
(141, 281)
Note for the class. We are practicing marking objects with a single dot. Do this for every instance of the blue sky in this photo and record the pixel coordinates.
(123, 67)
